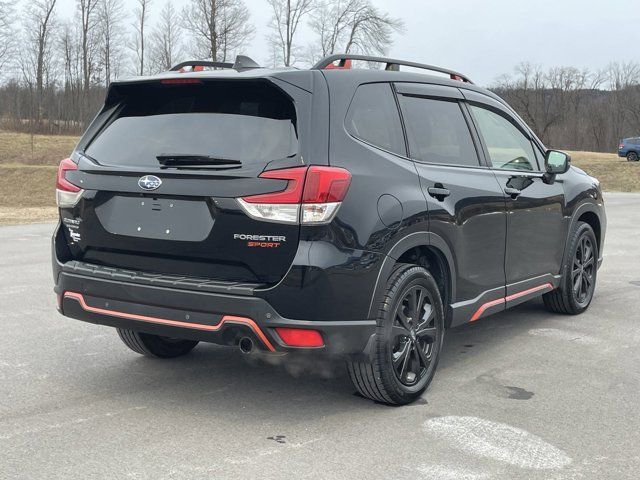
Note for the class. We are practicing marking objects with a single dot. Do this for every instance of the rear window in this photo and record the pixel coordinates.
(246, 121)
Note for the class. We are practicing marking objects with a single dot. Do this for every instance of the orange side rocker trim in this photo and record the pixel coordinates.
(500, 301)
(175, 323)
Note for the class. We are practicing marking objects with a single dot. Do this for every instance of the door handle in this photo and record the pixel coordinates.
(439, 192)
(512, 192)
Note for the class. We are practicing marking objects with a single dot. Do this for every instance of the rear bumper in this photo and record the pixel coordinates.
(210, 317)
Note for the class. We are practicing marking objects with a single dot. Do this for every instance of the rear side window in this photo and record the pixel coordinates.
(373, 117)
(247, 121)
(437, 131)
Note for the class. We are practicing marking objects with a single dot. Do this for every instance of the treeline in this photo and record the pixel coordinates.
(54, 71)
(577, 109)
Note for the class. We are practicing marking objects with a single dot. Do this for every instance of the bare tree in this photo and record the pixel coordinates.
(219, 27)
(111, 20)
(166, 39)
(72, 90)
(142, 14)
(6, 33)
(354, 26)
(88, 14)
(37, 63)
(284, 24)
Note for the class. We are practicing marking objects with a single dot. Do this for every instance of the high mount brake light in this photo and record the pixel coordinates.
(67, 194)
(312, 195)
(180, 81)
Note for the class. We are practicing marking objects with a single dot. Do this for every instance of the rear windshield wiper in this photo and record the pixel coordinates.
(190, 160)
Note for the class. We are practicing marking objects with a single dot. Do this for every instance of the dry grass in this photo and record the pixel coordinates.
(615, 173)
(28, 168)
(27, 149)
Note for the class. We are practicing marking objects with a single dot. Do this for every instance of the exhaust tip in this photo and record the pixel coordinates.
(246, 345)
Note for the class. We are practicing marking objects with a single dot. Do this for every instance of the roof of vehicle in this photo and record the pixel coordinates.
(302, 78)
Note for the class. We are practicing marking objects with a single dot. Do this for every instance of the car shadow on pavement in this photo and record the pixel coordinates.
(213, 379)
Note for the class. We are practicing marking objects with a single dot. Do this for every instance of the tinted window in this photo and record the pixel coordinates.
(373, 117)
(508, 148)
(437, 131)
(248, 121)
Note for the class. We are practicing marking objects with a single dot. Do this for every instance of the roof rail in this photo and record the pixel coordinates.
(242, 63)
(391, 65)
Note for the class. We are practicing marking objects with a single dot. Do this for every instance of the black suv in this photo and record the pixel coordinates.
(357, 212)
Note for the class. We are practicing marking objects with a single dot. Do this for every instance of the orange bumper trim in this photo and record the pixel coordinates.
(174, 323)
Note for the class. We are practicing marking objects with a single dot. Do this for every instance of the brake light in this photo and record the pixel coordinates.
(180, 81)
(621, 146)
(292, 192)
(326, 184)
(300, 337)
(62, 183)
(67, 194)
(312, 195)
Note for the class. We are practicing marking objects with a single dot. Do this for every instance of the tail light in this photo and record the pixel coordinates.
(67, 194)
(312, 195)
(621, 146)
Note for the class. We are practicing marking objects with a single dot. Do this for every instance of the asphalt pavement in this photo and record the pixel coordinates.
(523, 394)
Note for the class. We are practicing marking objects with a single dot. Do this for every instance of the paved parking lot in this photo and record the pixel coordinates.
(523, 394)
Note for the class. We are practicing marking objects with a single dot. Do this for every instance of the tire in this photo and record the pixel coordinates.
(404, 354)
(565, 299)
(155, 345)
(632, 157)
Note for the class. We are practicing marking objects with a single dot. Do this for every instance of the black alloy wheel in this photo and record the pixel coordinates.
(582, 274)
(403, 355)
(580, 269)
(414, 333)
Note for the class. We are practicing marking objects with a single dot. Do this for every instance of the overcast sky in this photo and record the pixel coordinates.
(487, 38)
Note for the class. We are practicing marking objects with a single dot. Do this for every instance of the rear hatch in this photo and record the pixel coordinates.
(162, 166)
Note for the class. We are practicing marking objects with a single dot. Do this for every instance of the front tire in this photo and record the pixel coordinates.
(579, 274)
(407, 342)
(155, 345)
(632, 157)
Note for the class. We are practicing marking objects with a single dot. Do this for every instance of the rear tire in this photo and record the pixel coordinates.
(408, 340)
(632, 157)
(155, 345)
(579, 274)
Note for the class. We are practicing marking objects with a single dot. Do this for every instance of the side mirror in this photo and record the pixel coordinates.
(556, 162)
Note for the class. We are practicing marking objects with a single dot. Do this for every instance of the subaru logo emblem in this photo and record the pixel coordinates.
(149, 182)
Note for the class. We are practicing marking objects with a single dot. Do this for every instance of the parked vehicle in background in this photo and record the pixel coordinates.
(355, 212)
(630, 148)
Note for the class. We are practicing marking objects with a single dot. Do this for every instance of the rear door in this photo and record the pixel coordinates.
(466, 204)
(536, 227)
(164, 166)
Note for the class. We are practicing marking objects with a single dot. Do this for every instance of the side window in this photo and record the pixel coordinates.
(508, 148)
(437, 131)
(373, 117)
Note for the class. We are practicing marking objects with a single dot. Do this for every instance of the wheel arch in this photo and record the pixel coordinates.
(588, 213)
(429, 251)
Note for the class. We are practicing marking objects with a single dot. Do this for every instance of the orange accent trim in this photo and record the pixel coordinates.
(485, 306)
(174, 323)
(508, 298)
(513, 296)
